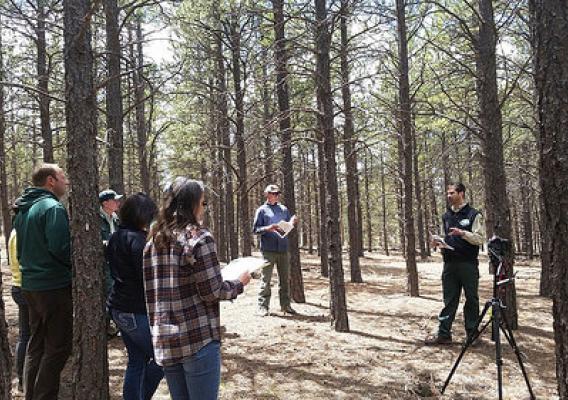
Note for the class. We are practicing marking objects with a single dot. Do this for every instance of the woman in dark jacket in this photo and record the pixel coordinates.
(126, 300)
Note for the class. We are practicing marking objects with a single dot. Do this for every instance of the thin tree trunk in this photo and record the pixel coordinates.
(368, 168)
(114, 111)
(406, 133)
(4, 206)
(268, 167)
(338, 306)
(350, 154)
(141, 128)
(43, 83)
(419, 204)
(5, 352)
(384, 205)
(498, 215)
(226, 207)
(90, 366)
(244, 219)
(286, 169)
(323, 233)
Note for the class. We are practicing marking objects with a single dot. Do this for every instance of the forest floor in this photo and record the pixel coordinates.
(383, 357)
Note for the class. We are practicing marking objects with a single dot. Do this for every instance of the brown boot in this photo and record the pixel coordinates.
(436, 340)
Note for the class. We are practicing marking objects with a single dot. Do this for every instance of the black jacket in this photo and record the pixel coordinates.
(124, 255)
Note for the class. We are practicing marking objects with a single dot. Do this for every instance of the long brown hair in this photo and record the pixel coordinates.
(181, 198)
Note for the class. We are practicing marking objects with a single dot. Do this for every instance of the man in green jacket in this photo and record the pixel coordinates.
(43, 248)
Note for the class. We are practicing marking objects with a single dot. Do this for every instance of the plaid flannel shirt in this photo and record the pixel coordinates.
(183, 287)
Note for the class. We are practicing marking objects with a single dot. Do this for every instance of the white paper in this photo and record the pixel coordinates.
(441, 243)
(286, 227)
(238, 266)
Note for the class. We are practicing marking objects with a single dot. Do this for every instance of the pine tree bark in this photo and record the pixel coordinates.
(114, 109)
(367, 171)
(43, 83)
(282, 91)
(526, 207)
(90, 366)
(244, 218)
(323, 247)
(224, 156)
(141, 128)
(4, 204)
(384, 205)
(338, 306)
(349, 151)
(419, 203)
(552, 85)
(498, 215)
(5, 352)
(406, 141)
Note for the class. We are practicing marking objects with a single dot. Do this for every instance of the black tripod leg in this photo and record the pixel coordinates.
(466, 346)
(511, 339)
(495, 326)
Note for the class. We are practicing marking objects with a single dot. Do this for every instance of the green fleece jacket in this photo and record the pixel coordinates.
(42, 229)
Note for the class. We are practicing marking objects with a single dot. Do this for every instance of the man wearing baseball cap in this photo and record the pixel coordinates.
(110, 203)
(274, 248)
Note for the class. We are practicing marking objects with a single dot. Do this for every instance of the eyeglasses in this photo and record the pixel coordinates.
(204, 203)
(275, 193)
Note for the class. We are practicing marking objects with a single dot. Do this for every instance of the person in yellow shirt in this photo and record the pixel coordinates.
(23, 319)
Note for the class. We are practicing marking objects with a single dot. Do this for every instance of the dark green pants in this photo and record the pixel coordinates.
(283, 266)
(458, 275)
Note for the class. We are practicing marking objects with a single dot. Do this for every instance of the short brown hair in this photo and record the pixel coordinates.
(39, 176)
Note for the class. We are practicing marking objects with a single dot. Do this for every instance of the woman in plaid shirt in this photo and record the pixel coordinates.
(183, 286)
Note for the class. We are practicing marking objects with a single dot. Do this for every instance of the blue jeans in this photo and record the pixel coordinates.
(198, 377)
(23, 331)
(142, 375)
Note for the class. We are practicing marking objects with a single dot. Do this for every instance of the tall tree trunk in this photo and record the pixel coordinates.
(546, 283)
(4, 206)
(368, 168)
(5, 352)
(114, 99)
(226, 204)
(498, 215)
(90, 366)
(244, 219)
(406, 133)
(323, 233)
(350, 155)
(281, 61)
(552, 86)
(43, 83)
(338, 306)
(419, 205)
(266, 116)
(384, 205)
(526, 207)
(141, 128)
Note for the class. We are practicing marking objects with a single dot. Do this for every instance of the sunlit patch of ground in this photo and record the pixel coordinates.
(301, 357)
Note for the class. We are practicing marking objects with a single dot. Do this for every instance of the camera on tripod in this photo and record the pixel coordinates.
(498, 249)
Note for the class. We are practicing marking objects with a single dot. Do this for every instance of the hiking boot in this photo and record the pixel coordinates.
(288, 310)
(262, 312)
(436, 340)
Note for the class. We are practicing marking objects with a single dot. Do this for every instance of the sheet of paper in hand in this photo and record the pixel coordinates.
(286, 227)
(236, 267)
(441, 243)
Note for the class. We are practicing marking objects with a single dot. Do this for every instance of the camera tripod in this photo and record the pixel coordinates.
(499, 323)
